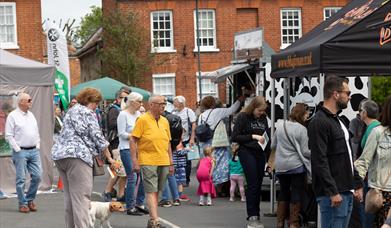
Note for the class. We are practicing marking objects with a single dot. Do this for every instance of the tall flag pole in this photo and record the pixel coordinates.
(58, 56)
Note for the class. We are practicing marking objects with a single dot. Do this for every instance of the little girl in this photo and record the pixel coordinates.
(237, 177)
(206, 190)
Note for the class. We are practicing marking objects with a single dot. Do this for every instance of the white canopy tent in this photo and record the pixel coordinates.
(18, 74)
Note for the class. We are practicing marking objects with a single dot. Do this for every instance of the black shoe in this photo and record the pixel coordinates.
(142, 209)
(121, 199)
(106, 196)
(164, 203)
(134, 211)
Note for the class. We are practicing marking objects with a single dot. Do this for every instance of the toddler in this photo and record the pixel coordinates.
(206, 190)
(236, 177)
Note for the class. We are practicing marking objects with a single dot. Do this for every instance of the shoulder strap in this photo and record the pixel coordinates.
(207, 116)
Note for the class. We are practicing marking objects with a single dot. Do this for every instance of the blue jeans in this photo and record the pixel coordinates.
(131, 181)
(27, 161)
(171, 186)
(335, 217)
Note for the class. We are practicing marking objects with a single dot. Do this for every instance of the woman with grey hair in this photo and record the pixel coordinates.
(125, 123)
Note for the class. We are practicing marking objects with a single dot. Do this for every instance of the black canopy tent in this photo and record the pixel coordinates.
(354, 41)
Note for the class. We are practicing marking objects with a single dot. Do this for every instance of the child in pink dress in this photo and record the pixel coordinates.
(206, 190)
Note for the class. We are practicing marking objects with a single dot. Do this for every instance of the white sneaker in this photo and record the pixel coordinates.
(254, 222)
(208, 200)
(201, 202)
(231, 199)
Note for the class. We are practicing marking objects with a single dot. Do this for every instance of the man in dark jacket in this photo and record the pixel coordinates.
(334, 178)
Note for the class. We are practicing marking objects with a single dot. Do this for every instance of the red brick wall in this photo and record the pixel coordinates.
(29, 29)
(231, 16)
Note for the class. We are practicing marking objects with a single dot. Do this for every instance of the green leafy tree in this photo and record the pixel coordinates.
(88, 25)
(124, 55)
(381, 88)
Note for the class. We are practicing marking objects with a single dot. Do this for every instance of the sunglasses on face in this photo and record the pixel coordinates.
(346, 92)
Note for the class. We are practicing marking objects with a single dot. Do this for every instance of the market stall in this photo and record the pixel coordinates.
(18, 74)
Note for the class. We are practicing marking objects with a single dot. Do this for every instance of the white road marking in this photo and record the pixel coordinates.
(169, 223)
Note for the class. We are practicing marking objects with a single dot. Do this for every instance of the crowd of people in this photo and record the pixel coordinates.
(153, 146)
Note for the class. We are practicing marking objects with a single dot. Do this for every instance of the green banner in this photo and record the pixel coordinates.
(61, 84)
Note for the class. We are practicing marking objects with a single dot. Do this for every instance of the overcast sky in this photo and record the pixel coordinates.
(67, 9)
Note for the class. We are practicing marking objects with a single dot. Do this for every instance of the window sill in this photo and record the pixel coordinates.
(206, 50)
(8, 46)
(157, 51)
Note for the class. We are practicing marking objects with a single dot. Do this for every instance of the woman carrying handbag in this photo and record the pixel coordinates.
(376, 160)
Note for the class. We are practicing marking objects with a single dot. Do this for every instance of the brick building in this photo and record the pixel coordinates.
(172, 30)
(21, 28)
(21, 33)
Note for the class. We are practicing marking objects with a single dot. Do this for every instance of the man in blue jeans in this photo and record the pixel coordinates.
(170, 187)
(21, 132)
(334, 177)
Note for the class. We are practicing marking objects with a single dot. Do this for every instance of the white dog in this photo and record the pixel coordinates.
(101, 211)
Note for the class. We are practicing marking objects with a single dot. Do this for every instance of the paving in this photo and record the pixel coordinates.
(189, 215)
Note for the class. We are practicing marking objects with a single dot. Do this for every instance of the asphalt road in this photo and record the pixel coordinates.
(189, 215)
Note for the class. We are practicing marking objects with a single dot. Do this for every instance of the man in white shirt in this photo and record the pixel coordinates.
(21, 132)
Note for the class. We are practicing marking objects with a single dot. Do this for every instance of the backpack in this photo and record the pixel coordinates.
(109, 134)
(175, 128)
(203, 131)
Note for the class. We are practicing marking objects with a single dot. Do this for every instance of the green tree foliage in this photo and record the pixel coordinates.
(381, 88)
(89, 24)
(124, 56)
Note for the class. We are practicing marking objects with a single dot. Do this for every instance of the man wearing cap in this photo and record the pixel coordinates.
(21, 132)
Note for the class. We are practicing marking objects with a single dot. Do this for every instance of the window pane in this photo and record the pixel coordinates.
(155, 25)
(211, 42)
(8, 10)
(204, 24)
(168, 26)
(204, 42)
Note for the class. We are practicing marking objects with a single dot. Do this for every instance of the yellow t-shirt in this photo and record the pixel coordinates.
(154, 138)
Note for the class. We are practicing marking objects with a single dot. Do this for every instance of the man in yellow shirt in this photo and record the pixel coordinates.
(151, 153)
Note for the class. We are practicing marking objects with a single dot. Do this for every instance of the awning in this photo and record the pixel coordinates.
(221, 74)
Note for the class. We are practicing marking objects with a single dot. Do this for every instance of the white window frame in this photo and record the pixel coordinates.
(159, 76)
(336, 9)
(163, 49)
(11, 45)
(299, 26)
(215, 94)
(211, 48)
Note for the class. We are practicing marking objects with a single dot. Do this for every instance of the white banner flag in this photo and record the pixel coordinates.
(58, 56)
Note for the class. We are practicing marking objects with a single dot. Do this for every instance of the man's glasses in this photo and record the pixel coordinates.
(160, 103)
(346, 92)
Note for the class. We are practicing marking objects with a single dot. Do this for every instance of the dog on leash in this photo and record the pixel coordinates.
(101, 212)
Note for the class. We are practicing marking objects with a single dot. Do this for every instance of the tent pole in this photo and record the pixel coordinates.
(286, 97)
(321, 97)
(272, 125)
(369, 88)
